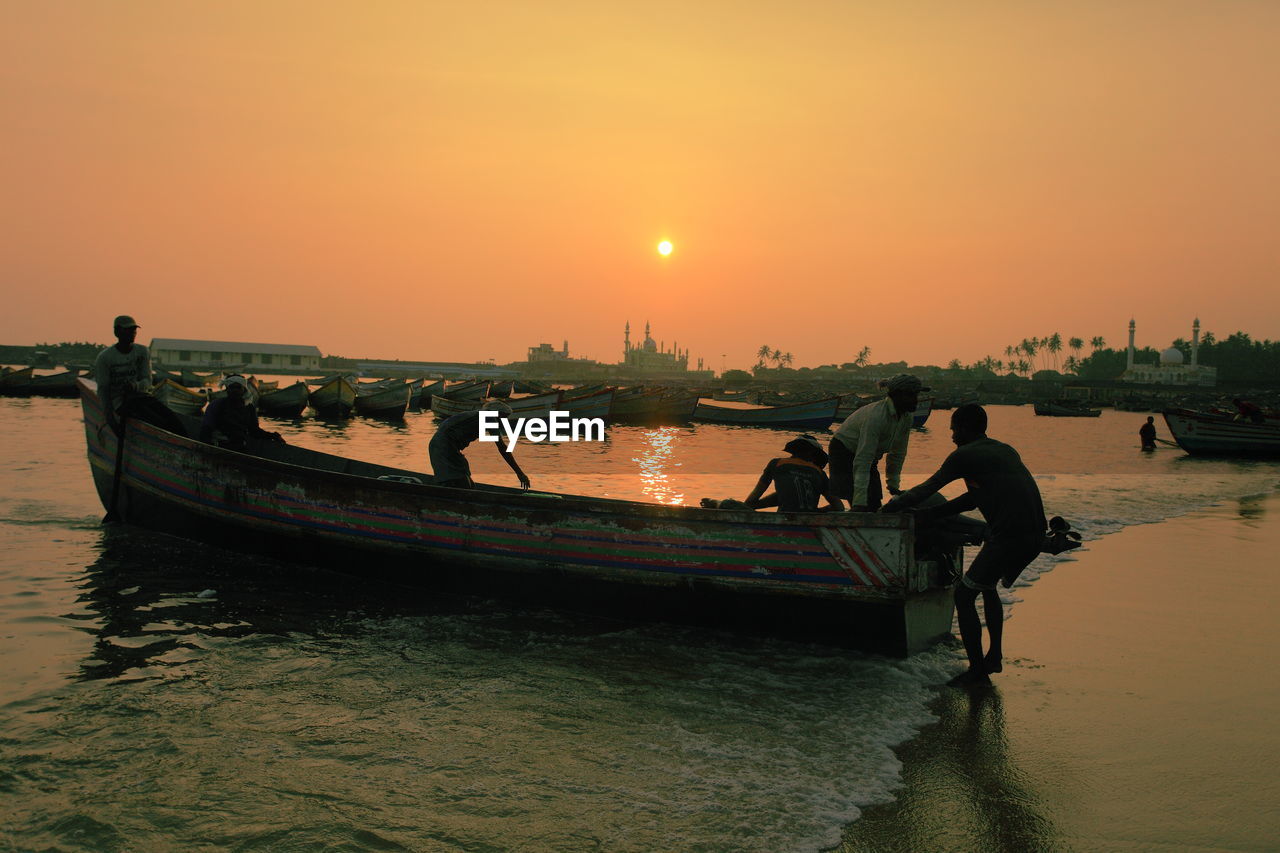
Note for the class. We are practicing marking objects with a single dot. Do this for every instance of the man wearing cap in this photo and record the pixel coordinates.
(875, 430)
(448, 466)
(122, 371)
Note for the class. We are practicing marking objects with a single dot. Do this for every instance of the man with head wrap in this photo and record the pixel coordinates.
(448, 466)
(875, 430)
(234, 418)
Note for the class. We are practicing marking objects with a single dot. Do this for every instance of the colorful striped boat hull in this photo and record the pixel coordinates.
(850, 579)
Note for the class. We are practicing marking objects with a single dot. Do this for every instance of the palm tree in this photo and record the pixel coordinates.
(1030, 347)
(787, 358)
(1097, 342)
(1076, 345)
(762, 354)
(1054, 345)
(1071, 364)
(864, 355)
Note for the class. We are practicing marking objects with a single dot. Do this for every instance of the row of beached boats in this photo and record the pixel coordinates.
(25, 382)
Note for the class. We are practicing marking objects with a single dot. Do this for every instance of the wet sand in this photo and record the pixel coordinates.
(1138, 710)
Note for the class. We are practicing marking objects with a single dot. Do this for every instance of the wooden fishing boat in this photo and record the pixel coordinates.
(429, 390)
(653, 408)
(1213, 434)
(333, 399)
(847, 578)
(817, 414)
(287, 402)
(179, 398)
(415, 392)
(1066, 409)
(48, 385)
(384, 401)
(472, 389)
(744, 395)
(539, 406)
(15, 379)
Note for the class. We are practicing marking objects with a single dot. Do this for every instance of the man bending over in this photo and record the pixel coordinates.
(1003, 490)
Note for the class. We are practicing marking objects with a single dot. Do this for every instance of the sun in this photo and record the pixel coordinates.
(664, 248)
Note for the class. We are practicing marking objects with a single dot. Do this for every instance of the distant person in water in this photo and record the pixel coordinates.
(798, 481)
(1003, 490)
(448, 466)
(878, 429)
(123, 375)
(1147, 432)
(1248, 411)
(234, 417)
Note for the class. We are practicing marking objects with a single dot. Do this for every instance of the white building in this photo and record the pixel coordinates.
(1171, 369)
(171, 353)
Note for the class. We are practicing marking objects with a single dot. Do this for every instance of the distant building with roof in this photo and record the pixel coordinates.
(181, 352)
(1171, 369)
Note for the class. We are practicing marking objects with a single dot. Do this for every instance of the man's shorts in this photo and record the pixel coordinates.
(1000, 559)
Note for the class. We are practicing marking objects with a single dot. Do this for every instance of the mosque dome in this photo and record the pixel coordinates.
(1172, 355)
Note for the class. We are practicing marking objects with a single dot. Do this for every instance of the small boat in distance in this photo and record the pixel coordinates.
(383, 400)
(287, 402)
(179, 398)
(1065, 409)
(817, 414)
(335, 398)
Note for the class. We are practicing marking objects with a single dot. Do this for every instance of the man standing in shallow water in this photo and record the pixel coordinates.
(1004, 491)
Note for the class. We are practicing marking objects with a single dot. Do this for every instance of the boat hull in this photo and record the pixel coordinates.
(1204, 434)
(841, 578)
(389, 402)
(817, 414)
(334, 399)
(287, 402)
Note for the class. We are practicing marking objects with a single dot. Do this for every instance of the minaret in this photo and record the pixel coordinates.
(626, 340)
(1195, 342)
(1129, 361)
(566, 348)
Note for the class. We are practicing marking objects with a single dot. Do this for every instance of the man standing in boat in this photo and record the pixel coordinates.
(448, 466)
(123, 374)
(1004, 491)
(875, 430)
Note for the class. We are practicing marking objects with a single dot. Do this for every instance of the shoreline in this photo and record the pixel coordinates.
(1136, 710)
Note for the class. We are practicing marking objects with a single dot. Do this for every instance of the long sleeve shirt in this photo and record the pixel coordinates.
(999, 485)
(873, 431)
(119, 374)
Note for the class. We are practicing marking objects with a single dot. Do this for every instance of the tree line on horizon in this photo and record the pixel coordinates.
(1237, 357)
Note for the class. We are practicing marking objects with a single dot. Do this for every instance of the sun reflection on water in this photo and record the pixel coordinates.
(657, 448)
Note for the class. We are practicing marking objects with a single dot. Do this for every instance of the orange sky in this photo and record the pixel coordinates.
(459, 181)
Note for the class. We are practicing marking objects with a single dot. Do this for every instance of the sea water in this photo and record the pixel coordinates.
(159, 694)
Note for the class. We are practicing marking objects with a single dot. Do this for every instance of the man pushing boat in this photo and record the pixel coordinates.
(1004, 491)
(448, 466)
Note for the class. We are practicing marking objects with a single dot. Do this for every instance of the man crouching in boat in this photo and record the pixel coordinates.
(798, 481)
(448, 466)
(234, 417)
(1004, 491)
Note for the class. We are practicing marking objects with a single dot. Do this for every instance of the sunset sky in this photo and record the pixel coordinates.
(460, 181)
